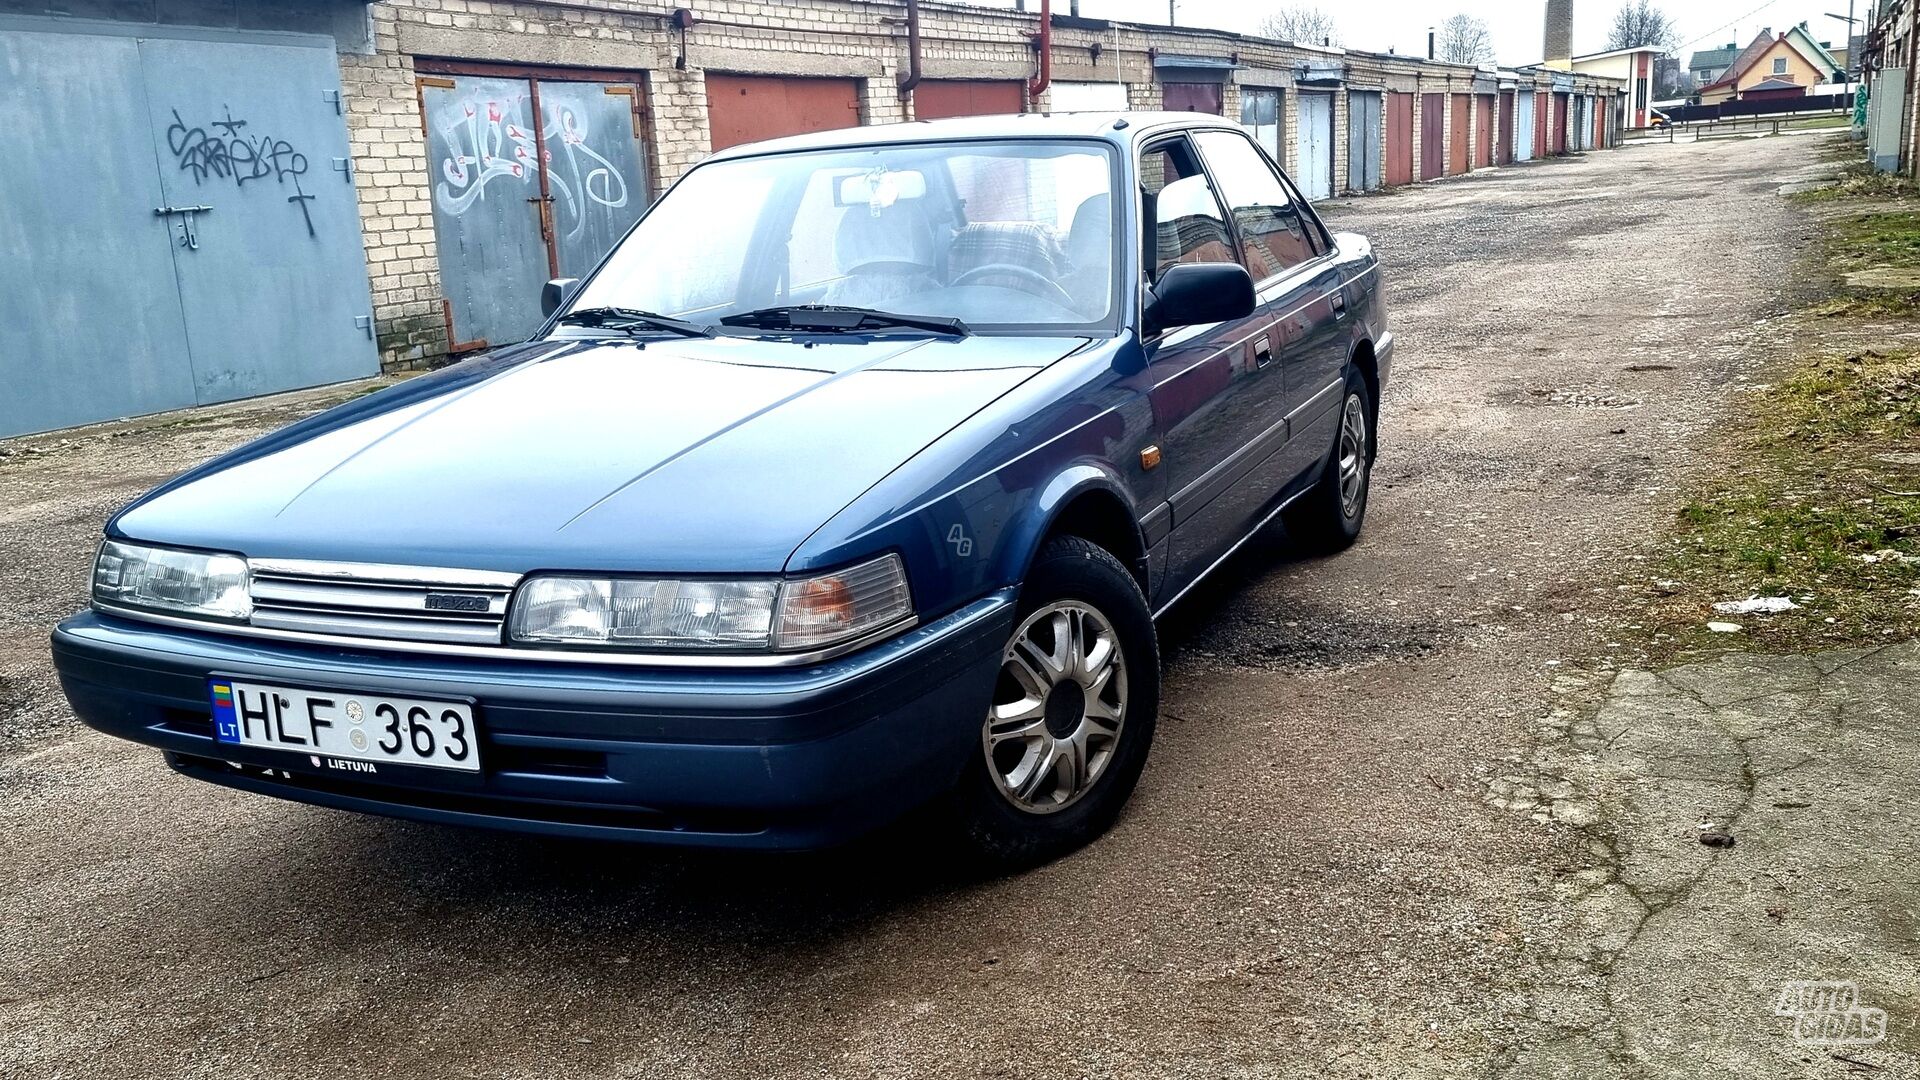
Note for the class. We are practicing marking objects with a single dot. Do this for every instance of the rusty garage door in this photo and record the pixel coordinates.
(1457, 158)
(537, 173)
(1399, 139)
(748, 108)
(936, 99)
(1433, 135)
(1542, 110)
(1504, 137)
(1483, 131)
(1201, 97)
(1560, 123)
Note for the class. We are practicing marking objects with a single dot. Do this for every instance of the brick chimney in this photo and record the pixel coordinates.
(1559, 30)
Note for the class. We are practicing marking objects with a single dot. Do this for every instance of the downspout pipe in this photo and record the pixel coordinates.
(911, 77)
(1039, 83)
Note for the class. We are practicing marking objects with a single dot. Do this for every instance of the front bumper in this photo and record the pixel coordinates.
(771, 759)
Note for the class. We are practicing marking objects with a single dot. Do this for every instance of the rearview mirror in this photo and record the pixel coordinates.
(555, 294)
(1192, 294)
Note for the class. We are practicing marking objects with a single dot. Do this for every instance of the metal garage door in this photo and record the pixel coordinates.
(1482, 131)
(748, 108)
(1458, 156)
(533, 178)
(1433, 135)
(1363, 140)
(1070, 97)
(1523, 127)
(1559, 123)
(1399, 139)
(1314, 145)
(1542, 112)
(180, 225)
(1202, 97)
(937, 98)
(1503, 138)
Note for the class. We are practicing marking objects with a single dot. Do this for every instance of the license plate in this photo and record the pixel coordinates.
(345, 727)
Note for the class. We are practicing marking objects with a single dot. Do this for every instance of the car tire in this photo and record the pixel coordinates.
(1329, 517)
(1011, 811)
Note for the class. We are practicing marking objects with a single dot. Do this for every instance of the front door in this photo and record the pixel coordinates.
(533, 178)
(1196, 373)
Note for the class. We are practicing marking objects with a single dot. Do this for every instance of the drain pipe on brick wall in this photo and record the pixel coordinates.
(911, 78)
(1044, 39)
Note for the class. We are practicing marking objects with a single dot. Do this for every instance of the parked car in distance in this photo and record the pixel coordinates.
(851, 483)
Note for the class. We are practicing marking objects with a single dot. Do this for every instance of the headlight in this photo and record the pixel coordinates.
(666, 613)
(172, 581)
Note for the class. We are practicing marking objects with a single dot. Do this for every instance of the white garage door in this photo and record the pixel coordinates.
(1071, 97)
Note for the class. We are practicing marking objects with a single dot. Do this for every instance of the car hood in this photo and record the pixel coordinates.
(696, 455)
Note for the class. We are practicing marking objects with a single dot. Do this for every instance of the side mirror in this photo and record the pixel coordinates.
(1192, 294)
(555, 294)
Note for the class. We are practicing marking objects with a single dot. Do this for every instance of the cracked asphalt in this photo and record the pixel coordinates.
(1414, 811)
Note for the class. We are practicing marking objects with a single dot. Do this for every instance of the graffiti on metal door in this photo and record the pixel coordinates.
(224, 150)
(490, 141)
(585, 175)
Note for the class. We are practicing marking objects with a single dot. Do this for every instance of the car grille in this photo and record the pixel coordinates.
(402, 603)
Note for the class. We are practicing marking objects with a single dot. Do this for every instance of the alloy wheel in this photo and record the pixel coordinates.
(1353, 455)
(1058, 708)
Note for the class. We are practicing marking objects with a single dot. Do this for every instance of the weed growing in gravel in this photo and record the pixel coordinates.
(1858, 180)
(1824, 509)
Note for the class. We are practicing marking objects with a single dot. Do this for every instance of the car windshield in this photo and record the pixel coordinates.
(1009, 236)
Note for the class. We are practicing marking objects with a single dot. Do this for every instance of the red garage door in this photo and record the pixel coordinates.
(937, 98)
(1433, 135)
(1399, 139)
(1483, 131)
(1191, 97)
(1560, 123)
(1457, 161)
(1504, 136)
(748, 108)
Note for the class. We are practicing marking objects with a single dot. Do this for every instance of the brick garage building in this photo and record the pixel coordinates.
(492, 144)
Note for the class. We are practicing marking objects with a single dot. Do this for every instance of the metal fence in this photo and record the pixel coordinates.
(1727, 110)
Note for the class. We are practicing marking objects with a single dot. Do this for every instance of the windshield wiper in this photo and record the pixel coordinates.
(831, 317)
(619, 318)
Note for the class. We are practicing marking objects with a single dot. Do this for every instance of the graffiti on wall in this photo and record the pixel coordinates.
(488, 143)
(225, 150)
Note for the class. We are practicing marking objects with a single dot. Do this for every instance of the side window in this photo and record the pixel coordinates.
(1260, 115)
(1188, 225)
(1274, 235)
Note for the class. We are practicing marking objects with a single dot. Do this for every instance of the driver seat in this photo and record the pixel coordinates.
(1025, 244)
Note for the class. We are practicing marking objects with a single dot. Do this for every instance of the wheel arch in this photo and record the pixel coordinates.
(1088, 501)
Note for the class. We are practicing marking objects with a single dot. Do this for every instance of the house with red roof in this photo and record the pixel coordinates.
(1774, 66)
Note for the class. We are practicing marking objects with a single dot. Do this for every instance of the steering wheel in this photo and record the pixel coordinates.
(1048, 288)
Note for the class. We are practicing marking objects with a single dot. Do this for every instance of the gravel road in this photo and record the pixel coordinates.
(1310, 881)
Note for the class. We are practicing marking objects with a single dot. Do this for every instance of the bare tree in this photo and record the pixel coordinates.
(1301, 23)
(1466, 40)
(1639, 24)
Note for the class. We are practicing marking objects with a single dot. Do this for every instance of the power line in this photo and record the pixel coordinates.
(1731, 22)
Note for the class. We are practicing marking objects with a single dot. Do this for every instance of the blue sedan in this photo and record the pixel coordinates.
(850, 484)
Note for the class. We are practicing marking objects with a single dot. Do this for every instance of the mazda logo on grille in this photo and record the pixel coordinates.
(446, 601)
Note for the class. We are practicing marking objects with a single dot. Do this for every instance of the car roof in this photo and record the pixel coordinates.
(1113, 126)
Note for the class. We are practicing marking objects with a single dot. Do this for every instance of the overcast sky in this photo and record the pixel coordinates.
(1402, 24)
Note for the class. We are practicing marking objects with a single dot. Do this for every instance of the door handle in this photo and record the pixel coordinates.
(1340, 303)
(1262, 354)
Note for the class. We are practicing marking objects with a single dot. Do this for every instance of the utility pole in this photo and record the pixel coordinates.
(1170, 19)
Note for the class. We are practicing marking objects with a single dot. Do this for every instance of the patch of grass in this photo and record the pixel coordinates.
(1883, 238)
(1815, 512)
(1867, 304)
(1858, 180)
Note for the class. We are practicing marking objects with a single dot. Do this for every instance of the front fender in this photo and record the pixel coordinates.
(1021, 545)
